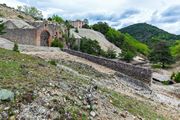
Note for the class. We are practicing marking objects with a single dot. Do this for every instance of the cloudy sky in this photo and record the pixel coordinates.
(118, 13)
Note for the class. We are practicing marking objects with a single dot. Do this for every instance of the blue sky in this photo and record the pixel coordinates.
(164, 14)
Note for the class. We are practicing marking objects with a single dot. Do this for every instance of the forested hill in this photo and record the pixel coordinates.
(145, 32)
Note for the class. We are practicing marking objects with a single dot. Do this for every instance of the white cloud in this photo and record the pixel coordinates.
(110, 11)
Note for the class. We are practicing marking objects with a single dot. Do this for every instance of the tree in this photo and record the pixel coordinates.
(161, 54)
(16, 47)
(57, 19)
(2, 27)
(127, 55)
(101, 27)
(90, 46)
(32, 11)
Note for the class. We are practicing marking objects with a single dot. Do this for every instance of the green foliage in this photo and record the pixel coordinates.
(86, 26)
(127, 56)
(110, 53)
(53, 62)
(57, 19)
(138, 46)
(175, 49)
(2, 27)
(57, 43)
(76, 30)
(101, 27)
(32, 11)
(145, 33)
(115, 37)
(123, 41)
(16, 47)
(90, 46)
(176, 77)
(161, 54)
(20, 16)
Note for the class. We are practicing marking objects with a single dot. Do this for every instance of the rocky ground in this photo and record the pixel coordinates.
(56, 85)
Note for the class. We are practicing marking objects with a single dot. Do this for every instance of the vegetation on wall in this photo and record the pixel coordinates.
(57, 43)
(57, 19)
(32, 11)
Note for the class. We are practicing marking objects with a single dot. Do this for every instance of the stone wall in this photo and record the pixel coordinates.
(21, 36)
(136, 72)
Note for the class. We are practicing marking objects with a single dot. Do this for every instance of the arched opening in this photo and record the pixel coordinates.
(44, 38)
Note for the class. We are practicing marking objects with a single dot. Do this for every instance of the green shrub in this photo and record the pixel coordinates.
(76, 30)
(127, 56)
(110, 53)
(16, 48)
(20, 16)
(90, 46)
(53, 62)
(57, 43)
(176, 77)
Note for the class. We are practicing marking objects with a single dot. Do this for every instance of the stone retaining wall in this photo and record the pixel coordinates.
(136, 72)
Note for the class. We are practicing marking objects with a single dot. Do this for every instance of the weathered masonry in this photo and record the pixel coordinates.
(39, 33)
(139, 73)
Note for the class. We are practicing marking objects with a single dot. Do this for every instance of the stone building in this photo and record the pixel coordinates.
(39, 33)
(77, 24)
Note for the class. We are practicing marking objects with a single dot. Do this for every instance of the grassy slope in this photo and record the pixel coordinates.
(140, 47)
(23, 73)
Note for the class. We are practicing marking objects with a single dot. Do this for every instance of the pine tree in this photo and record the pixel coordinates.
(161, 54)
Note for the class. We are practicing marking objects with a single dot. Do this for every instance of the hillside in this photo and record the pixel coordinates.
(76, 88)
(145, 32)
(11, 13)
(94, 35)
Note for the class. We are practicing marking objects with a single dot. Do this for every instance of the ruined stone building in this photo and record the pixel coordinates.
(39, 33)
(77, 24)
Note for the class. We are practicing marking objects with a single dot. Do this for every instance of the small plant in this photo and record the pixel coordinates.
(57, 43)
(176, 77)
(111, 53)
(16, 48)
(20, 16)
(76, 30)
(53, 62)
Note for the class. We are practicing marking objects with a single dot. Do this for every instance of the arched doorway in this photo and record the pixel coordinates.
(44, 38)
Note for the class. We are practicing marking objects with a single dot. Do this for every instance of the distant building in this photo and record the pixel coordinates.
(39, 33)
(77, 24)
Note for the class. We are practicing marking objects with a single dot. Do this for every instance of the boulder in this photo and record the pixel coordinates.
(6, 95)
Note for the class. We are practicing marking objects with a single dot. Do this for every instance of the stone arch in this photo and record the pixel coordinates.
(45, 38)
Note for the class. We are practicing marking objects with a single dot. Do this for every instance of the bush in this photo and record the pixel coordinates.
(20, 16)
(90, 46)
(127, 56)
(110, 53)
(57, 43)
(76, 30)
(176, 77)
(53, 62)
(16, 48)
